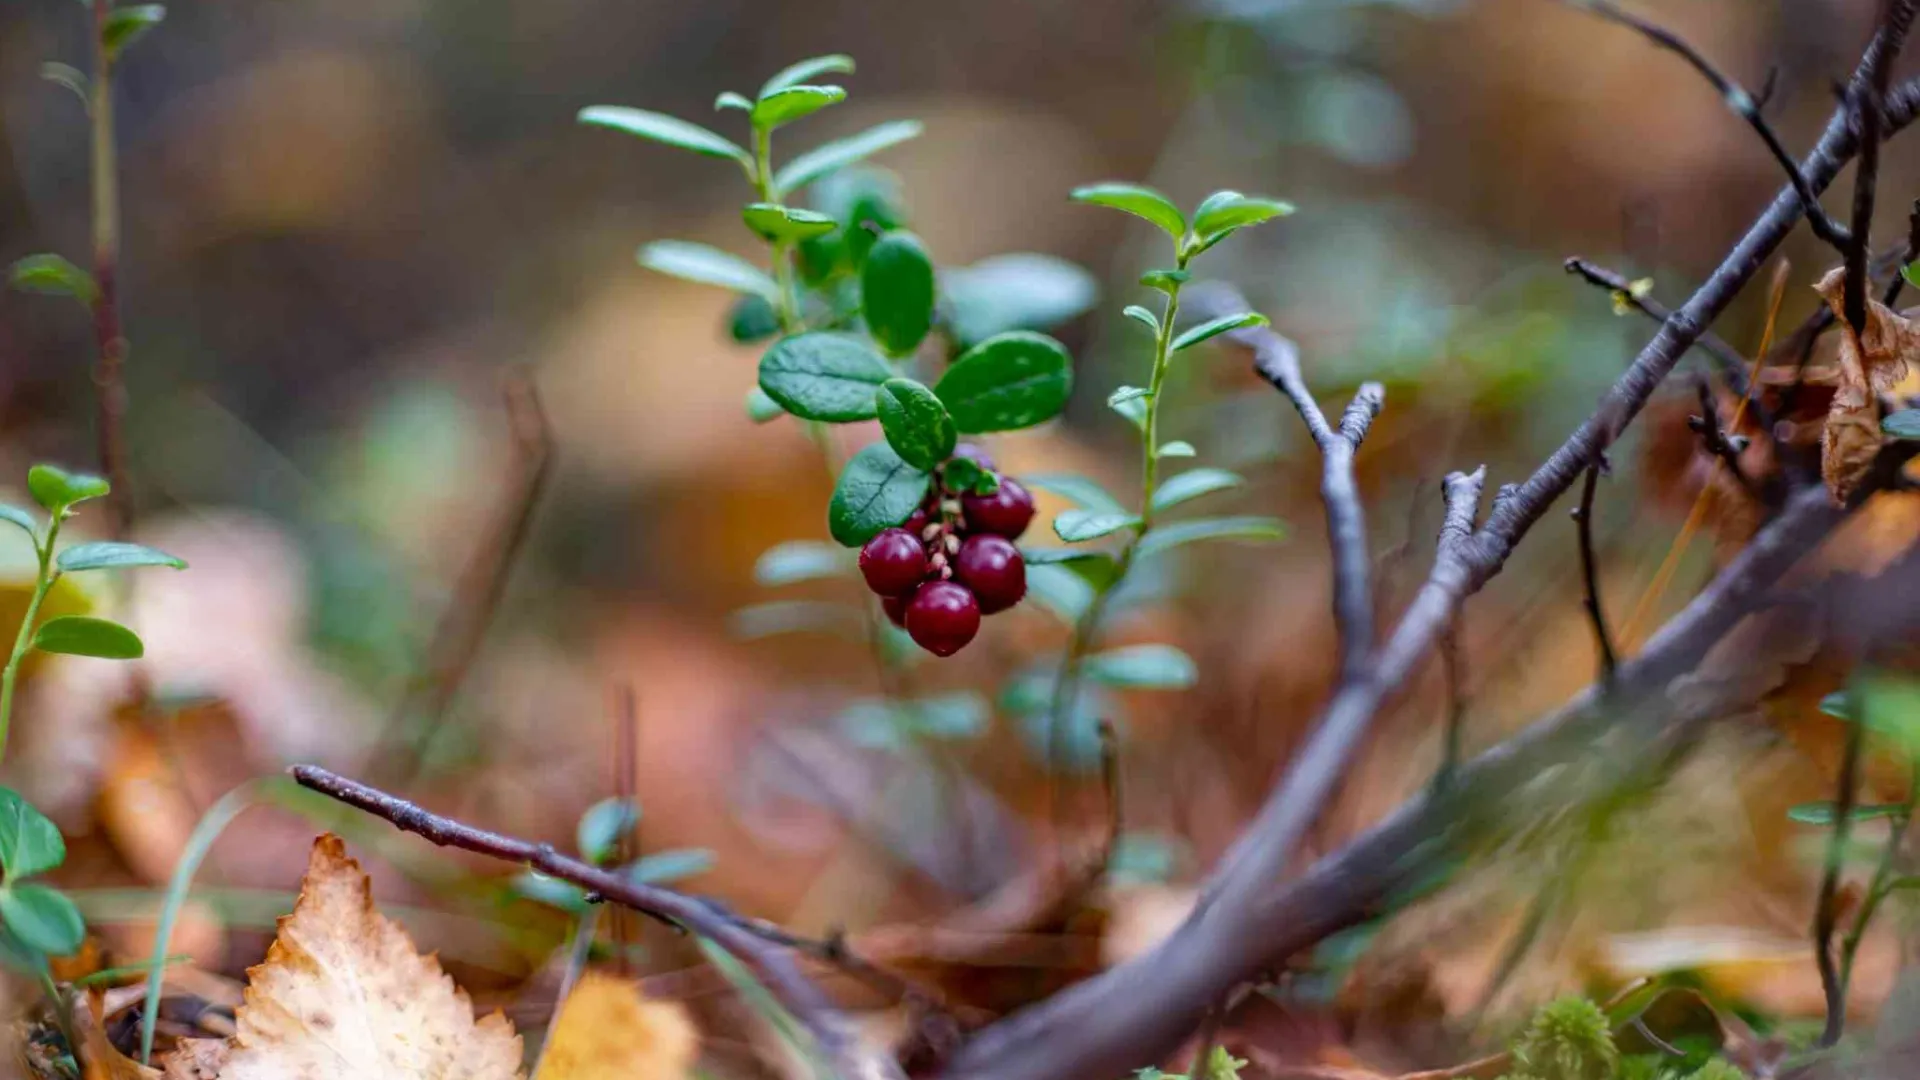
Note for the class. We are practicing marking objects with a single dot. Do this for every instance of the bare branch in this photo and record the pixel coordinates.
(1726, 358)
(1590, 574)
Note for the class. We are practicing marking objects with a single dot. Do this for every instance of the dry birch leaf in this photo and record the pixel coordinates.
(1869, 362)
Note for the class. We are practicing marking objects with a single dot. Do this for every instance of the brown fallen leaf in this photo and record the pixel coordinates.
(343, 995)
(101, 1061)
(1869, 362)
(608, 1030)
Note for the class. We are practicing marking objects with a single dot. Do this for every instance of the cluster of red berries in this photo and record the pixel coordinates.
(952, 561)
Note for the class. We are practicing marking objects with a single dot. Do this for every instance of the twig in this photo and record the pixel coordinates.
(1741, 102)
(1732, 366)
(1715, 440)
(1590, 573)
(752, 943)
(1454, 669)
(1110, 785)
(110, 340)
(1826, 913)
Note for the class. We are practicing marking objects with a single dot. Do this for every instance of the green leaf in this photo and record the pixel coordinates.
(800, 560)
(1144, 317)
(1020, 291)
(1826, 813)
(1136, 200)
(1226, 211)
(126, 25)
(1911, 272)
(867, 202)
(1059, 591)
(730, 100)
(752, 319)
(1167, 281)
(22, 518)
(43, 918)
(810, 68)
(1144, 667)
(1256, 529)
(29, 843)
(1124, 394)
(1076, 526)
(1133, 408)
(796, 616)
(84, 635)
(673, 864)
(916, 424)
(706, 265)
(1904, 424)
(1008, 381)
(111, 555)
(790, 104)
(1096, 568)
(877, 490)
(70, 77)
(55, 489)
(662, 128)
(553, 892)
(1177, 448)
(965, 474)
(761, 408)
(896, 292)
(785, 224)
(824, 376)
(53, 276)
(962, 714)
(1838, 704)
(820, 161)
(602, 828)
(1215, 327)
(1029, 698)
(1077, 489)
(1192, 484)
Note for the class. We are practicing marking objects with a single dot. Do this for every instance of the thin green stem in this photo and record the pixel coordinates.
(1885, 879)
(23, 641)
(1150, 431)
(109, 338)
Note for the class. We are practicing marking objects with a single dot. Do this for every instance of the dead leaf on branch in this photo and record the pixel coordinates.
(608, 1030)
(1869, 363)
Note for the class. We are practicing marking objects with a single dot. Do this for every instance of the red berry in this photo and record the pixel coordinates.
(1003, 513)
(943, 617)
(992, 567)
(915, 524)
(893, 562)
(896, 609)
(974, 454)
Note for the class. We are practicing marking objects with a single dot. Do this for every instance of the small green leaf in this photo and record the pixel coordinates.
(1911, 272)
(56, 489)
(730, 100)
(70, 77)
(603, 826)
(1215, 327)
(53, 276)
(787, 105)
(824, 376)
(1838, 704)
(1144, 667)
(43, 918)
(1191, 485)
(1076, 526)
(896, 292)
(752, 319)
(1177, 448)
(965, 474)
(1009, 381)
(761, 408)
(1136, 200)
(1167, 281)
(1096, 568)
(553, 892)
(706, 265)
(1826, 813)
(810, 68)
(126, 25)
(867, 202)
(1144, 317)
(662, 128)
(1124, 394)
(1254, 529)
(111, 555)
(800, 560)
(1020, 291)
(1080, 490)
(1904, 424)
(916, 424)
(785, 224)
(1059, 591)
(673, 864)
(84, 635)
(962, 714)
(796, 616)
(877, 490)
(820, 161)
(22, 518)
(1225, 211)
(1133, 408)
(29, 843)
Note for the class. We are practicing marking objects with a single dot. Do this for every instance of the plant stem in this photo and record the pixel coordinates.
(23, 641)
(1150, 432)
(1885, 875)
(109, 338)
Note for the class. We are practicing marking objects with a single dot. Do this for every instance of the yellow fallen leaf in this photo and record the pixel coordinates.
(343, 995)
(607, 1030)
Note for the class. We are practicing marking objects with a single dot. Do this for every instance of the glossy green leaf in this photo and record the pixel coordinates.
(1122, 395)
(820, 161)
(689, 261)
(786, 105)
(1076, 526)
(752, 319)
(800, 560)
(55, 489)
(1019, 291)
(868, 203)
(1904, 424)
(916, 424)
(811, 68)
(1827, 813)
(1167, 281)
(1096, 568)
(1144, 317)
(1251, 529)
(671, 865)
(877, 490)
(1177, 448)
(602, 828)
(1225, 211)
(796, 616)
(662, 128)
(553, 892)
(965, 474)
(22, 518)
(29, 843)
(730, 100)
(785, 224)
(1009, 381)
(112, 555)
(1080, 490)
(761, 408)
(896, 292)
(84, 635)
(1191, 485)
(1143, 667)
(126, 25)
(1059, 592)
(1137, 200)
(54, 276)
(43, 918)
(824, 376)
(1133, 408)
(1213, 328)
